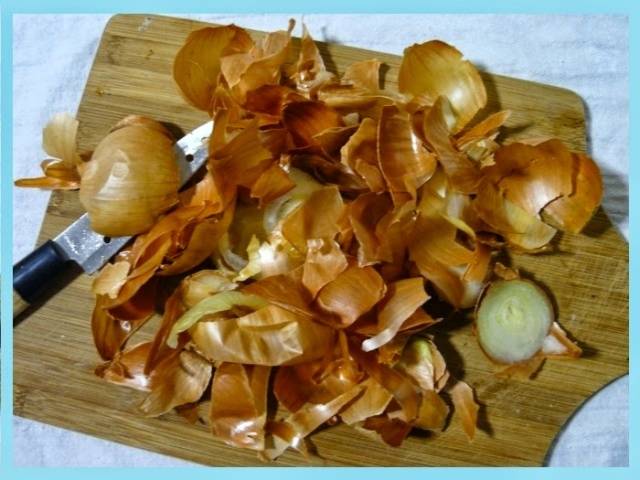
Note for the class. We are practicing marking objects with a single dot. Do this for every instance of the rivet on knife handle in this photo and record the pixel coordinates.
(33, 273)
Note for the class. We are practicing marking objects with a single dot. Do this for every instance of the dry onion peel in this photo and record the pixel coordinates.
(238, 411)
(196, 68)
(435, 68)
(269, 336)
(326, 203)
(61, 170)
(219, 302)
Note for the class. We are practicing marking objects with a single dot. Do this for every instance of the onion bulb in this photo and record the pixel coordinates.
(513, 318)
(131, 179)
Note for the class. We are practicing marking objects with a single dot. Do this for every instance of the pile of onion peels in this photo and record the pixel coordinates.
(300, 267)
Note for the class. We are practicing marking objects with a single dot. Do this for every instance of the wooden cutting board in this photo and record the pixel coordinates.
(54, 356)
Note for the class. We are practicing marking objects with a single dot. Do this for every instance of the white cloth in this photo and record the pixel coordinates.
(52, 56)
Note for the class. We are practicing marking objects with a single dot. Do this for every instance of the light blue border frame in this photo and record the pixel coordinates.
(9, 7)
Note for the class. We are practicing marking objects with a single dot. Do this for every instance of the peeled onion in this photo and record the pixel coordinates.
(131, 179)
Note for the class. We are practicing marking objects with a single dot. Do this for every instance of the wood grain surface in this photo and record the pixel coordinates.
(54, 357)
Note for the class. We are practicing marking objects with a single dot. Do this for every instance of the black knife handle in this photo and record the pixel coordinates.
(32, 274)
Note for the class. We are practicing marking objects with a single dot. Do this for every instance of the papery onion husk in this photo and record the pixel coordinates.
(372, 402)
(268, 336)
(238, 411)
(404, 162)
(418, 361)
(324, 262)
(520, 228)
(573, 211)
(361, 156)
(364, 74)
(285, 290)
(271, 184)
(179, 379)
(353, 293)
(304, 120)
(292, 430)
(201, 244)
(128, 368)
(243, 159)
(173, 309)
(111, 279)
(311, 72)
(466, 408)
(433, 411)
(204, 284)
(403, 298)
(260, 65)
(111, 329)
(317, 217)
(131, 179)
(463, 174)
(486, 128)
(269, 100)
(317, 382)
(218, 303)
(61, 170)
(196, 67)
(396, 383)
(392, 431)
(280, 208)
(435, 68)
(532, 176)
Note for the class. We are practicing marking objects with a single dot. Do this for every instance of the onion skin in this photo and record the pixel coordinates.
(346, 197)
(131, 179)
(435, 68)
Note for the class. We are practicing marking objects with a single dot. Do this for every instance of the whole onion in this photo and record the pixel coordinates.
(131, 179)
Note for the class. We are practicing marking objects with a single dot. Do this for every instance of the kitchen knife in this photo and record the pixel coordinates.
(79, 244)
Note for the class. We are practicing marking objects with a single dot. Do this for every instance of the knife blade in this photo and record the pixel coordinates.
(79, 244)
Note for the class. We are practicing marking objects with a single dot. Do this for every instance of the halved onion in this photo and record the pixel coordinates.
(513, 318)
(515, 322)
